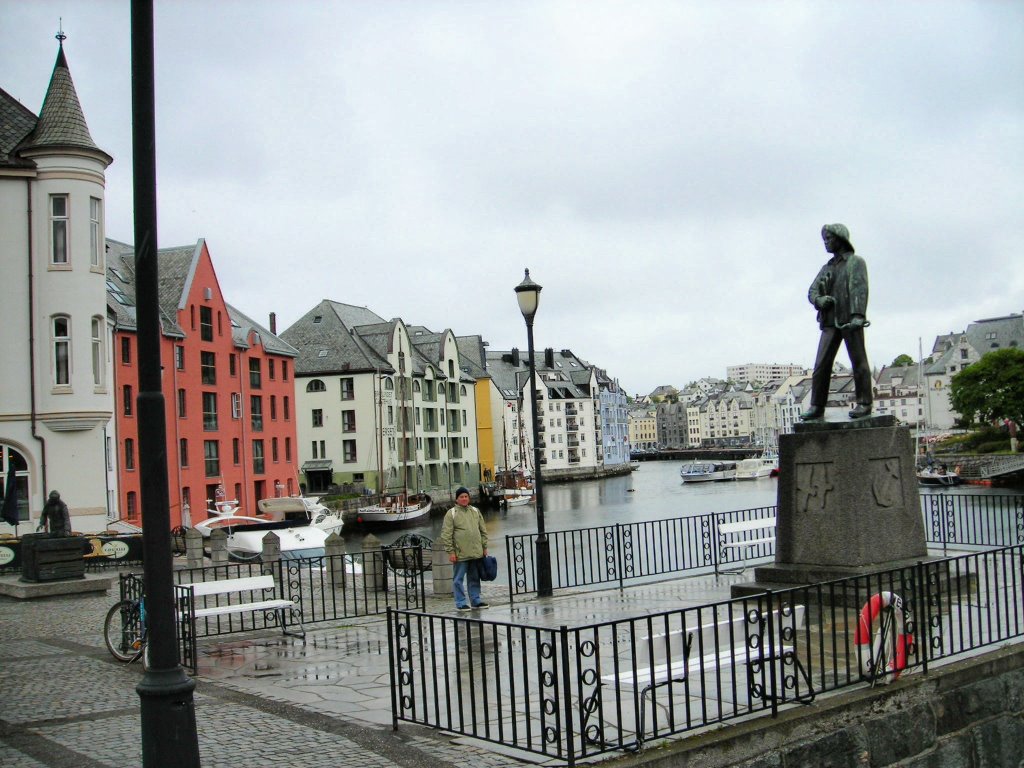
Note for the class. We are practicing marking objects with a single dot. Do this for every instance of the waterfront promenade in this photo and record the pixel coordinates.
(261, 699)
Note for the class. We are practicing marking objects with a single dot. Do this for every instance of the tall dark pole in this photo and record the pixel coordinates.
(527, 293)
(168, 712)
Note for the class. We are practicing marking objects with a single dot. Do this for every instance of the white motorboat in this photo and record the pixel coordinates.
(393, 511)
(766, 465)
(245, 533)
(310, 511)
(938, 476)
(515, 499)
(708, 471)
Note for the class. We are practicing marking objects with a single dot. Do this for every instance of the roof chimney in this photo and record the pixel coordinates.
(549, 357)
(273, 323)
(515, 355)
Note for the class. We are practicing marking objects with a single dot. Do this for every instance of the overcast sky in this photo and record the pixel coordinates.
(663, 169)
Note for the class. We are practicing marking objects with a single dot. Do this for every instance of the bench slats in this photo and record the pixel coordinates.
(264, 605)
(224, 586)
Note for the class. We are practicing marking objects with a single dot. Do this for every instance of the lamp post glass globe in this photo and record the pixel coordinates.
(528, 296)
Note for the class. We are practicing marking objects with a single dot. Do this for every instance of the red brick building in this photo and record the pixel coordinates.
(228, 391)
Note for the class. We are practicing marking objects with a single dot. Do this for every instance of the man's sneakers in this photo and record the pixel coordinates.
(481, 604)
(463, 607)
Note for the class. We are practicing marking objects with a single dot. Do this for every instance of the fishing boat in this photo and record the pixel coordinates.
(766, 465)
(245, 533)
(393, 511)
(510, 488)
(708, 471)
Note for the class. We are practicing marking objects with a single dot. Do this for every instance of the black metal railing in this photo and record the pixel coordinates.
(324, 588)
(629, 552)
(570, 693)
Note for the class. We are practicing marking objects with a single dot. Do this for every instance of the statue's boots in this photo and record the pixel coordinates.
(814, 413)
(860, 411)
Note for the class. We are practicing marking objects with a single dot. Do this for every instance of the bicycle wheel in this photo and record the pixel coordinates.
(122, 631)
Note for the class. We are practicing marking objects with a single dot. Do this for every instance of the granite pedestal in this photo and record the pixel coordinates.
(847, 504)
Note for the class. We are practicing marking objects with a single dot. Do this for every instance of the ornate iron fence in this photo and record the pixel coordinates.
(570, 693)
(630, 552)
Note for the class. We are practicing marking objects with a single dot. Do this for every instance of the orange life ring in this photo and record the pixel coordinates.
(889, 644)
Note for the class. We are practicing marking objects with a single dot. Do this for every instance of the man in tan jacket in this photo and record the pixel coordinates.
(464, 538)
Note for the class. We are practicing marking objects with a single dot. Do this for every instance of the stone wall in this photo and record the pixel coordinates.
(966, 714)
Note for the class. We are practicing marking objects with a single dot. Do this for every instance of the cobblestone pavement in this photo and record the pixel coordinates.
(261, 699)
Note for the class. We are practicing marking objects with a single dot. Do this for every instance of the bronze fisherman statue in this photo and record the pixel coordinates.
(840, 294)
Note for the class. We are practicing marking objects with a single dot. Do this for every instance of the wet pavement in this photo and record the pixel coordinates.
(264, 699)
(261, 699)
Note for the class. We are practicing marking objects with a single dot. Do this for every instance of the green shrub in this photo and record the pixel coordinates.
(993, 446)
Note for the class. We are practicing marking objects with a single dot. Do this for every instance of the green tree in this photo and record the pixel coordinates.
(902, 360)
(992, 388)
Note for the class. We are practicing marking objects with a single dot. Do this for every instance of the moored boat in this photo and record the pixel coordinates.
(245, 533)
(708, 471)
(305, 509)
(393, 511)
(766, 465)
(930, 476)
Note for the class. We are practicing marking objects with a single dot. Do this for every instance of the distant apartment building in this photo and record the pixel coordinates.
(673, 426)
(613, 422)
(725, 419)
(381, 405)
(898, 393)
(953, 352)
(227, 385)
(643, 429)
(569, 424)
(762, 373)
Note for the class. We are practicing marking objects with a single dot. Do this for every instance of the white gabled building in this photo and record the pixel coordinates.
(380, 405)
(56, 392)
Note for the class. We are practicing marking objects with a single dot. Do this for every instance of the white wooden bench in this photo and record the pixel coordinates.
(741, 538)
(690, 654)
(230, 596)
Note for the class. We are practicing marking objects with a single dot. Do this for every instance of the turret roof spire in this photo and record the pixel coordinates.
(61, 120)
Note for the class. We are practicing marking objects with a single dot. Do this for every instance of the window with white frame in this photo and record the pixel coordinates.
(61, 337)
(98, 358)
(59, 230)
(95, 232)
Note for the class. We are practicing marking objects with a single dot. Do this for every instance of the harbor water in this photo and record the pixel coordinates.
(653, 492)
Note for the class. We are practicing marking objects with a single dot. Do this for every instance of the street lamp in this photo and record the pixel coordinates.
(528, 296)
(167, 709)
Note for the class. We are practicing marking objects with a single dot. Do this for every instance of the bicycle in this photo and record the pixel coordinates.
(125, 631)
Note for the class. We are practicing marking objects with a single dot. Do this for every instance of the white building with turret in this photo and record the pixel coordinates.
(56, 384)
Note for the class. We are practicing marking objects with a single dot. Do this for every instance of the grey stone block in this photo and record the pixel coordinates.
(848, 498)
(960, 708)
(839, 749)
(999, 743)
(901, 734)
(951, 752)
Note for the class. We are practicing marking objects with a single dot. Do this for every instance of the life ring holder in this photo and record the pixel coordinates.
(890, 645)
